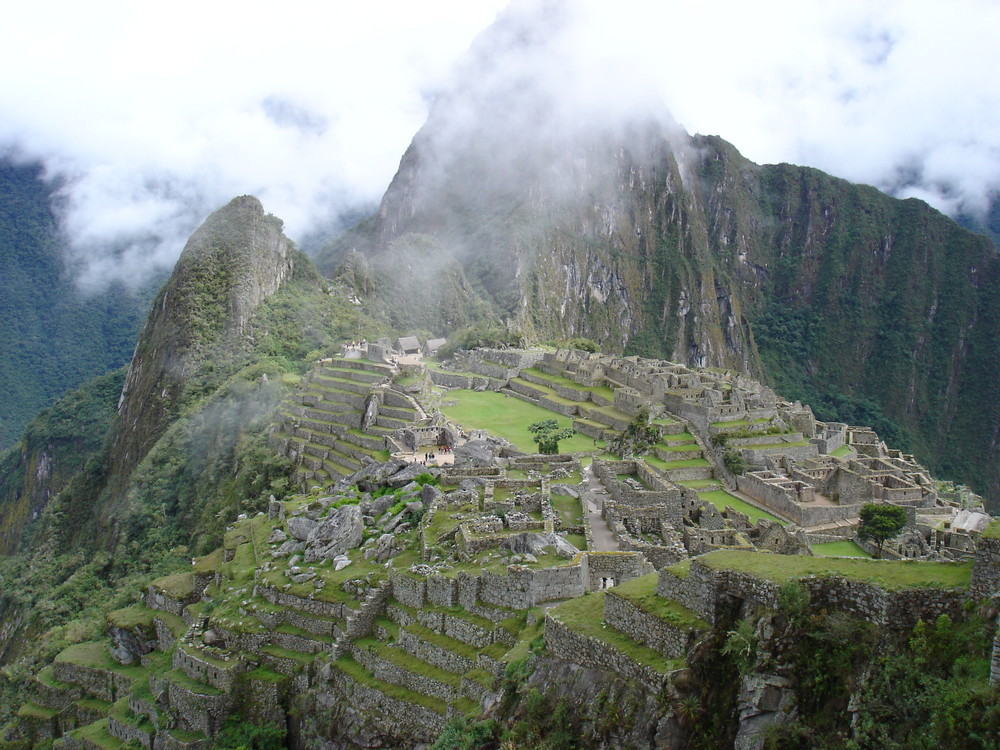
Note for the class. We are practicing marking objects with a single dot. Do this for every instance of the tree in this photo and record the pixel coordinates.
(547, 435)
(880, 523)
(637, 437)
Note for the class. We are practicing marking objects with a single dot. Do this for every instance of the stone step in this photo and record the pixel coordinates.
(343, 384)
(398, 667)
(391, 423)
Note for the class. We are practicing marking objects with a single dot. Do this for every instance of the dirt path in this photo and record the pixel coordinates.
(604, 540)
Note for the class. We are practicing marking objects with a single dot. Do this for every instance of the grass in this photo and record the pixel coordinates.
(356, 672)
(679, 437)
(584, 615)
(642, 593)
(409, 663)
(992, 531)
(569, 509)
(577, 540)
(177, 586)
(97, 734)
(508, 418)
(842, 451)
(34, 711)
(689, 463)
(720, 499)
(846, 548)
(889, 574)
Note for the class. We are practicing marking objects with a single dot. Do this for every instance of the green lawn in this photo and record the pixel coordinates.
(508, 418)
(720, 499)
(846, 548)
(689, 463)
(889, 574)
(569, 509)
(842, 451)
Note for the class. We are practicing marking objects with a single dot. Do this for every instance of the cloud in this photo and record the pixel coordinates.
(153, 116)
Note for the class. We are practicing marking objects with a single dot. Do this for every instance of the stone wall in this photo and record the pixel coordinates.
(309, 606)
(396, 717)
(435, 655)
(654, 632)
(574, 647)
(197, 711)
(204, 670)
(386, 671)
(986, 569)
(616, 566)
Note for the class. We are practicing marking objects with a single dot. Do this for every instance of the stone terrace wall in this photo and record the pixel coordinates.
(395, 717)
(590, 652)
(703, 589)
(642, 627)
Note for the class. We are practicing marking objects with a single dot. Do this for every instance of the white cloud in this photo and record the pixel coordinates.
(156, 115)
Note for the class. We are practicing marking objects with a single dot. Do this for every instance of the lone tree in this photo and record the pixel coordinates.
(547, 435)
(881, 523)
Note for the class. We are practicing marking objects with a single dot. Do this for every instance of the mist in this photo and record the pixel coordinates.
(151, 119)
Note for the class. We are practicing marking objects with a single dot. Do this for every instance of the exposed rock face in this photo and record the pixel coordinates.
(334, 535)
(537, 544)
(230, 265)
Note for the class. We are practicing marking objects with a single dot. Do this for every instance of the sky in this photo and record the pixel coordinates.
(150, 116)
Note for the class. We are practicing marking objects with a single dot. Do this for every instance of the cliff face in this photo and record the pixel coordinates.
(230, 265)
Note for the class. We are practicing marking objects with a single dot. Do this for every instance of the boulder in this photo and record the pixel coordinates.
(535, 543)
(278, 536)
(300, 527)
(429, 493)
(338, 532)
(477, 453)
(288, 548)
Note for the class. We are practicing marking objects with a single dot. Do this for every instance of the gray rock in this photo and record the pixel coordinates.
(535, 543)
(337, 533)
(302, 577)
(477, 453)
(385, 548)
(289, 547)
(278, 536)
(128, 645)
(429, 493)
(300, 527)
(405, 476)
(340, 562)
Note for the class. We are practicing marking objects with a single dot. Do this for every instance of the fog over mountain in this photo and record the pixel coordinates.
(151, 119)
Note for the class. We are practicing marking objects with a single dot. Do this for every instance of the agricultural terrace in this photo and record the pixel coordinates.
(889, 574)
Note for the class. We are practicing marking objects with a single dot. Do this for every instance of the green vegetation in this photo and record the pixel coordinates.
(889, 574)
(584, 615)
(507, 418)
(720, 499)
(547, 435)
(845, 548)
(880, 523)
(239, 734)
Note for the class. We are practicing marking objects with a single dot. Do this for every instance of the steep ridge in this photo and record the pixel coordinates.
(231, 264)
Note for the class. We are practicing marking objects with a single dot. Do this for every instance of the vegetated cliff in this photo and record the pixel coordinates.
(199, 321)
(94, 499)
(620, 227)
(53, 336)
